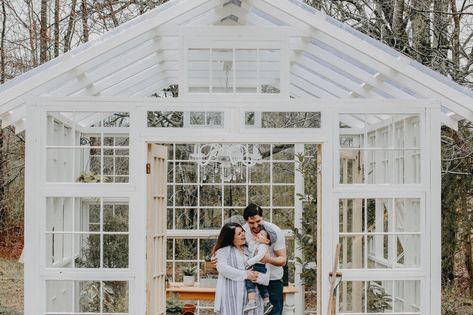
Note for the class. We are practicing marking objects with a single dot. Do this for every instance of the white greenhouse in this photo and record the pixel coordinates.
(143, 143)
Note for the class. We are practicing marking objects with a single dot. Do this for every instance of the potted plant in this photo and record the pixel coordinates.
(173, 305)
(189, 275)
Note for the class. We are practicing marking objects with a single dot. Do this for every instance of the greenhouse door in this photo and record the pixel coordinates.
(156, 170)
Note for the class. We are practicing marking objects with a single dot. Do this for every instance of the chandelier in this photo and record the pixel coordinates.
(230, 158)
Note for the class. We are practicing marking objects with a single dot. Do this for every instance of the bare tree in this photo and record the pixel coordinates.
(43, 32)
(85, 16)
(70, 26)
(2, 44)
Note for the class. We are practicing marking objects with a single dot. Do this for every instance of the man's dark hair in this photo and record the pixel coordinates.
(251, 210)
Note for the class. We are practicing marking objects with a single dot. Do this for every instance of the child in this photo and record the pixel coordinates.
(261, 248)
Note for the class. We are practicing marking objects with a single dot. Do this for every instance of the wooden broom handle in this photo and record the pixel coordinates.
(333, 280)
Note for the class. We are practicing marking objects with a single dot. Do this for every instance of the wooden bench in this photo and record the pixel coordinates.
(196, 293)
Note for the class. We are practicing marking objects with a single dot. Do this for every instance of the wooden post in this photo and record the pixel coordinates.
(332, 310)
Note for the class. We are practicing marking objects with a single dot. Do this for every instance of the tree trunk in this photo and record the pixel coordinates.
(32, 30)
(56, 27)
(440, 40)
(455, 40)
(420, 21)
(43, 32)
(398, 26)
(2, 44)
(70, 27)
(85, 25)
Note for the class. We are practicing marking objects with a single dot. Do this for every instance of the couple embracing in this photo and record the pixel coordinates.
(250, 260)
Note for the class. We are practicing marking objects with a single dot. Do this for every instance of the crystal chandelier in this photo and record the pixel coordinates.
(230, 158)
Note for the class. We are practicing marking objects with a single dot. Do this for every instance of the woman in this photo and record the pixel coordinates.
(232, 253)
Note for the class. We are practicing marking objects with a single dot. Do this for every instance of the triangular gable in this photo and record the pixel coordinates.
(328, 60)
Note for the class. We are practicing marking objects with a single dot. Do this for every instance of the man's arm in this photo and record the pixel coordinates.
(279, 260)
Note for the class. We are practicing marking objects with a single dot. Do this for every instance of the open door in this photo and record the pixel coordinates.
(351, 248)
(156, 170)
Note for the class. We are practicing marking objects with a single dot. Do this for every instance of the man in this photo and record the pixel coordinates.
(276, 257)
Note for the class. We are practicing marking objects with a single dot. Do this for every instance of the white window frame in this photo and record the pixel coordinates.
(254, 38)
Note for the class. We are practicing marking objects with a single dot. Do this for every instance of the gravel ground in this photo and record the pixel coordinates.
(11, 287)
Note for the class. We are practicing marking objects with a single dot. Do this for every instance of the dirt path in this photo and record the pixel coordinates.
(11, 287)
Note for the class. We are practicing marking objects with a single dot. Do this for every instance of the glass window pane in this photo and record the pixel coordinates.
(269, 70)
(186, 219)
(408, 251)
(352, 255)
(206, 246)
(59, 214)
(246, 70)
(186, 195)
(351, 217)
(233, 215)
(284, 218)
(283, 196)
(197, 118)
(259, 195)
(379, 298)
(283, 152)
(407, 215)
(186, 249)
(210, 195)
(352, 297)
(115, 296)
(115, 251)
(235, 196)
(59, 250)
(222, 70)
(89, 297)
(115, 217)
(260, 173)
(288, 120)
(186, 172)
(59, 296)
(210, 219)
(59, 167)
(407, 296)
(351, 167)
(198, 70)
(183, 151)
(379, 215)
(165, 119)
(87, 250)
(283, 172)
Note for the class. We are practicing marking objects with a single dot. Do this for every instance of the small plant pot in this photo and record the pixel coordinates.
(189, 281)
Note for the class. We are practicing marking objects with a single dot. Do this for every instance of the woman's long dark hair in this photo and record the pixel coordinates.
(226, 236)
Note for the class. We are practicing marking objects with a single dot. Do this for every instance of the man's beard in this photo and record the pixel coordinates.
(257, 229)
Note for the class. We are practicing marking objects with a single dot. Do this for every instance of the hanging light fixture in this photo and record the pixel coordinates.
(230, 158)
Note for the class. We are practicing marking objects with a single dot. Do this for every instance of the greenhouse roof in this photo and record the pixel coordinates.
(328, 59)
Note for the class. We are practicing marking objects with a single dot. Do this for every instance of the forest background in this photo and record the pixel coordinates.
(437, 33)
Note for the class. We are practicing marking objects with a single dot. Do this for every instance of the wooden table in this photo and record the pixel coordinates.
(208, 294)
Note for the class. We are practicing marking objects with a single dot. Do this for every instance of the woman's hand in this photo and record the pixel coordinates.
(214, 260)
(252, 275)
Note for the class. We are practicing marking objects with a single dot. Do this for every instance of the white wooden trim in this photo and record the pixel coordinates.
(32, 284)
(434, 205)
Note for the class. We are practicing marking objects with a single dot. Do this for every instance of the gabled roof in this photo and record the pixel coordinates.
(328, 60)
